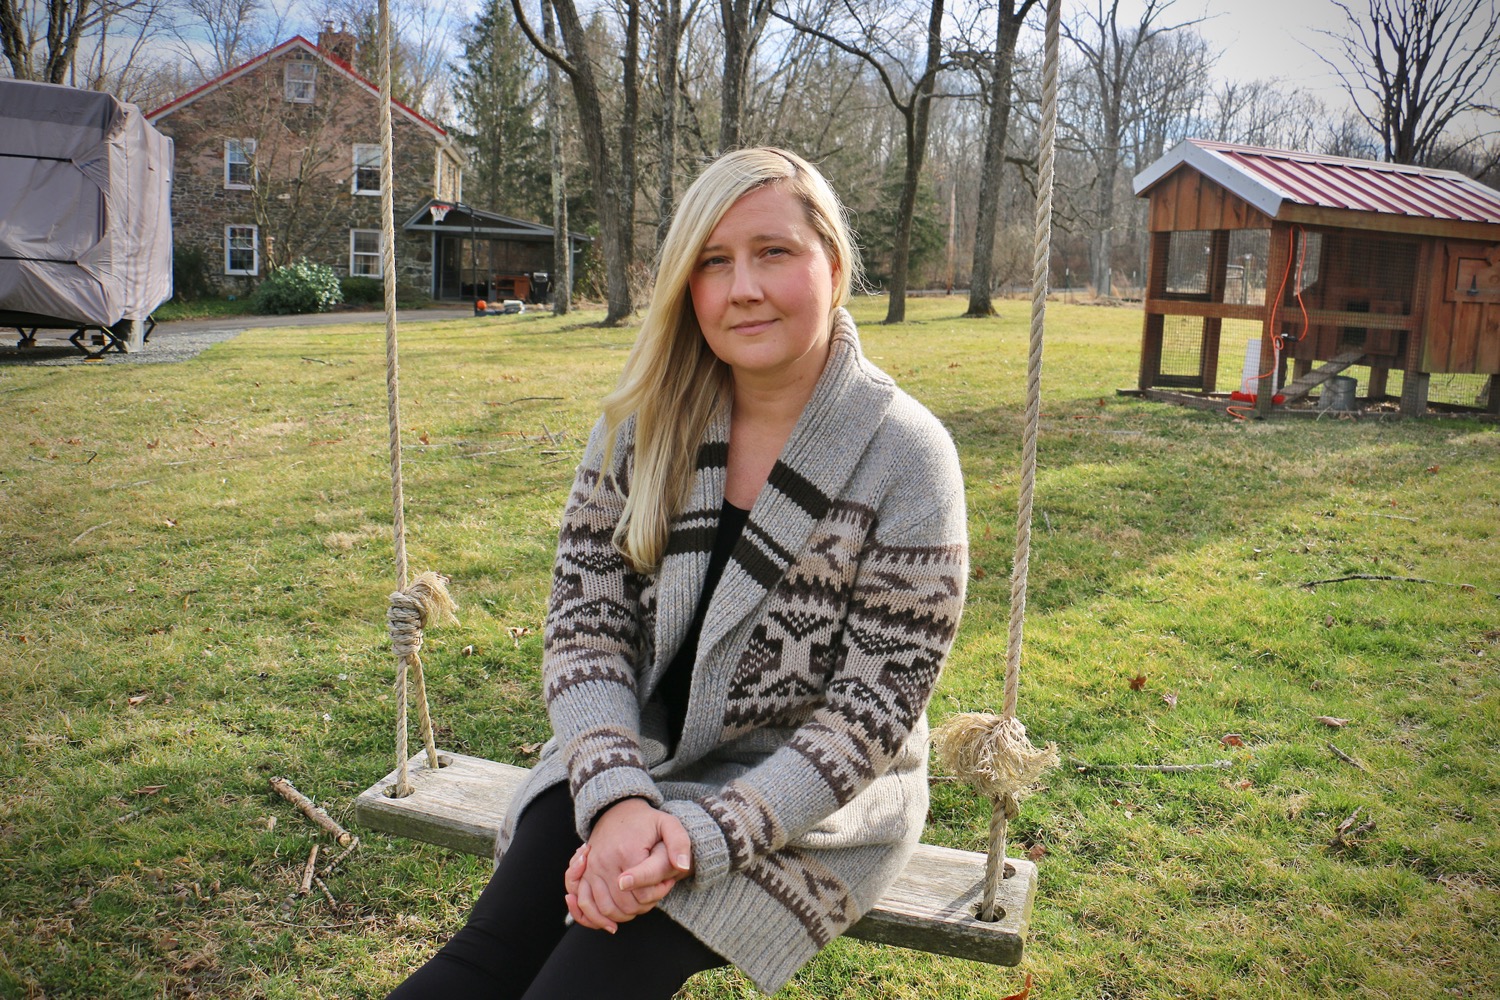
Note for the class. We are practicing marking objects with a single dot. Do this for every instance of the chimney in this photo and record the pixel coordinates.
(339, 44)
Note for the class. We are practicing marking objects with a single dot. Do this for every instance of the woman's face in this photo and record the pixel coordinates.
(762, 289)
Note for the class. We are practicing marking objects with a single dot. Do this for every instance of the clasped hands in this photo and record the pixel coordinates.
(634, 856)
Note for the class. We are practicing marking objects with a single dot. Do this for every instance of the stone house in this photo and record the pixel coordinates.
(280, 158)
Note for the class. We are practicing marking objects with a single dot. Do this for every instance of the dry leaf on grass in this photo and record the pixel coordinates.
(1138, 682)
(1169, 699)
(147, 790)
(1232, 740)
(1036, 853)
(517, 634)
(466, 651)
(136, 699)
(530, 748)
(1025, 991)
(1331, 722)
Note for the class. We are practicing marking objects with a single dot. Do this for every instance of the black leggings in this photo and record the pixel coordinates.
(516, 944)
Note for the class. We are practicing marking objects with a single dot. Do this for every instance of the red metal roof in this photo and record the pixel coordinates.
(296, 41)
(1268, 177)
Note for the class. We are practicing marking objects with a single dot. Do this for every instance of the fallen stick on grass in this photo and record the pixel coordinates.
(323, 887)
(311, 810)
(1345, 833)
(307, 872)
(1344, 757)
(88, 531)
(1310, 584)
(1216, 765)
(338, 859)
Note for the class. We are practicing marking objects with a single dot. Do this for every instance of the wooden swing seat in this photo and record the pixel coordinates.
(930, 908)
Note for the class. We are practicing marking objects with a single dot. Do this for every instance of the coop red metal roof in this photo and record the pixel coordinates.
(1270, 178)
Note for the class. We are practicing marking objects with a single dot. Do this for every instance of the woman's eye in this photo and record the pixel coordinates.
(711, 261)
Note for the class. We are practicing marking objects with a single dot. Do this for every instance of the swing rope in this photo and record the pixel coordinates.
(991, 752)
(426, 599)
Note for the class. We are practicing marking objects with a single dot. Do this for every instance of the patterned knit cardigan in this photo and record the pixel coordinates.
(801, 775)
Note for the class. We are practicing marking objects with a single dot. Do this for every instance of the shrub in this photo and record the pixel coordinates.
(190, 274)
(363, 292)
(300, 287)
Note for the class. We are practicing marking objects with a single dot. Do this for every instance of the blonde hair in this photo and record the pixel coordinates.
(672, 383)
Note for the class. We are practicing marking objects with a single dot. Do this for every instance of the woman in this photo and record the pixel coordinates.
(760, 571)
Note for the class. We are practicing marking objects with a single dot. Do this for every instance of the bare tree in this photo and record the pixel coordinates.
(743, 22)
(1008, 19)
(671, 22)
(914, 106)
(231, 28)
(562, 244)
(1415, 67)
(41, 38)
(613, 171)
(1111, 55)
(1264, 113)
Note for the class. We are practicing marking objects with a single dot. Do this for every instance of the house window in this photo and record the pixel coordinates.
(366, 169)
(238, 169)
(301, 82)
(241, 250)
(450, 177)
(364, 253)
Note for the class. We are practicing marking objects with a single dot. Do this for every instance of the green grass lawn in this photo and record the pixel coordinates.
(197, 556)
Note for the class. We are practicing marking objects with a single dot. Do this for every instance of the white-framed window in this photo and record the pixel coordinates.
(239, 166)
(241, 250)
(301, 78)
(366, 169)
(365, 253)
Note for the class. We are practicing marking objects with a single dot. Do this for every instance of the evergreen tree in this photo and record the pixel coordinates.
(499, 93)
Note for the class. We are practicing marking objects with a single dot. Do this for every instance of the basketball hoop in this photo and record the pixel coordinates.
(438, 210)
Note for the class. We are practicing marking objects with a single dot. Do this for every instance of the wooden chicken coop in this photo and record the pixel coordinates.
(1376, 279)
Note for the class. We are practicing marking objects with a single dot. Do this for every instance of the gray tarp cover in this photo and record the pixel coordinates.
(85, 206)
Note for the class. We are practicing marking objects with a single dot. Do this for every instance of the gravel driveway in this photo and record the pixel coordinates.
(183, 339)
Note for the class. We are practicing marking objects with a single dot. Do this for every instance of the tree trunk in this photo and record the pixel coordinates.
(614, 220)
(562, 245)
(669, 41)
(743, 21)
(628, 119)
(917, 117)
(1007, 29)
(730, 12)
(1104, 207)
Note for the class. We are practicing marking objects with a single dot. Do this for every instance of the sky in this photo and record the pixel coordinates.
(1261, 39)
(1272, 38)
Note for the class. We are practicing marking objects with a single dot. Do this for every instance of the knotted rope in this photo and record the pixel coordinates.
(992, 752)
(426, 599)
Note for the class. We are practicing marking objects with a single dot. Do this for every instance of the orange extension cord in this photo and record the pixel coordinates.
(1277, 341)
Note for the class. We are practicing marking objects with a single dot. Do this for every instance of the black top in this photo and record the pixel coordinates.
(677, 682)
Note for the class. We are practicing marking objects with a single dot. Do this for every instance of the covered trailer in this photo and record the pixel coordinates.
(85, 215)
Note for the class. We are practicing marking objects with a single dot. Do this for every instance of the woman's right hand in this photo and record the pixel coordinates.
(634, 857)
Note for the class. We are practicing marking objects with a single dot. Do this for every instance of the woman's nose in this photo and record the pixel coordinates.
(745, 286)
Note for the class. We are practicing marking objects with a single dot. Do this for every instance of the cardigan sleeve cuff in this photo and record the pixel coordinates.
(710, 849)
(604, 789)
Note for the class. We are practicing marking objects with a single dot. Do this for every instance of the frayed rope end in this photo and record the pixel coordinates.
(992, 754)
